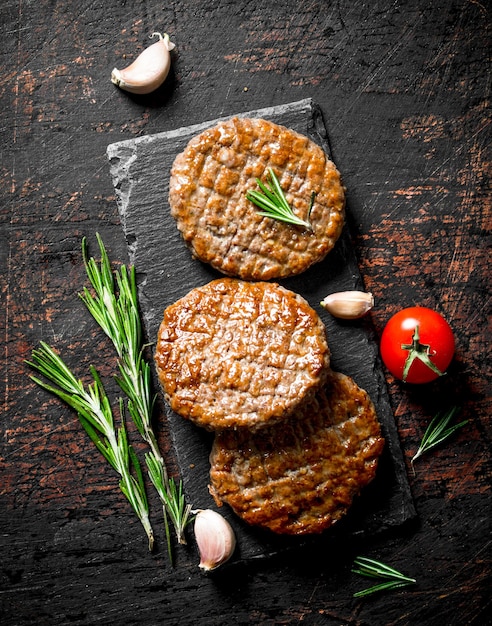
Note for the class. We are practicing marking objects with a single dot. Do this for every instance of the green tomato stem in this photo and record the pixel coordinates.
(417, 350)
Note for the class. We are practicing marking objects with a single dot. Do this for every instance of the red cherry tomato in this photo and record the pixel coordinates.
(417, 345)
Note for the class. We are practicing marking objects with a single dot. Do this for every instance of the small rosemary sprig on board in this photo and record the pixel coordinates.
(273, 203)
(390, 577)
(115, 308)
(437, 431)
(96, 416)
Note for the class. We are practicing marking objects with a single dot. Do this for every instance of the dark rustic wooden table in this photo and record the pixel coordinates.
(405, 92)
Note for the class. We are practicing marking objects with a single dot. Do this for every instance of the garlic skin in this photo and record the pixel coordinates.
(215, 539)
(149, 70)
(348, 305)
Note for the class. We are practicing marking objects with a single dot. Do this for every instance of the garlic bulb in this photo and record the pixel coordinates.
(215, 539)
(149, 70)
(348, 305)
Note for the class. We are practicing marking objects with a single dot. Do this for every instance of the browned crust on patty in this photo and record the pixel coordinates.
(301, 476)
(240, 354)
(208, 186)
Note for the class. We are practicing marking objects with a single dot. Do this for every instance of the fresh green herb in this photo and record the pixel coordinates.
(391, 578)
(437, 431)
(115, 308)
(95, 414)
(273, 203)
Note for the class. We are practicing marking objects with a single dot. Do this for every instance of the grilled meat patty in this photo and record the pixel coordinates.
(207, 196)
(302, 475)
(234, 353)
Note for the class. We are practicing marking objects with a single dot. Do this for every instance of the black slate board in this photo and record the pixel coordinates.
(166, 271)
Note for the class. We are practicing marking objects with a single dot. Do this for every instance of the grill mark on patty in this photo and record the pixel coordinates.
(224, 229)
(279, 359)
(301, 476)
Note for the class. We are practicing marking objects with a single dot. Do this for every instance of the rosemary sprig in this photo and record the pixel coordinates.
(390, 577)
(95, 414)
(273, 203)
(115, 308)
(437, 431)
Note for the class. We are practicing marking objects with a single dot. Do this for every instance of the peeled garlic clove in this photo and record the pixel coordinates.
(215, 539)
(348, 305)
(149, 70)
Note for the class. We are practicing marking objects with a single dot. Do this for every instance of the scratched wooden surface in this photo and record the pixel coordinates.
(405, 92)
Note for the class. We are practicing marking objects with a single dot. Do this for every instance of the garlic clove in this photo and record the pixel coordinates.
(348, 305)
(149, 70)
(215, 539)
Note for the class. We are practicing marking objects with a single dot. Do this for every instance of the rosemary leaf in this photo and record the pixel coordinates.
(103, 448)
(95, 415)
(386, 586)
(437, 431)
(311, 203)
(173, 498)
(273, 203)
(114, 306)
(390, 577)
(277, 191)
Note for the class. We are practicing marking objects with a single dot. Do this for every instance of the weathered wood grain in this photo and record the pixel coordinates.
(405, 90)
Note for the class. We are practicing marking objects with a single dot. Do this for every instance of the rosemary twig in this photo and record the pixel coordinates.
(95, 414)
(390, 577)
(437, 431)
(115, 308)
(273, 203)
